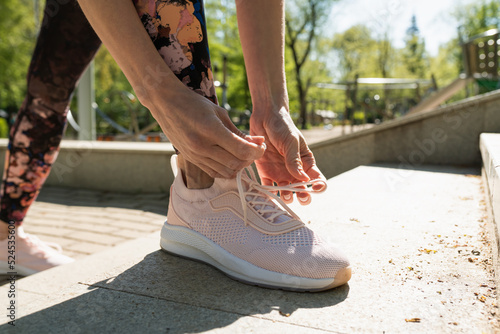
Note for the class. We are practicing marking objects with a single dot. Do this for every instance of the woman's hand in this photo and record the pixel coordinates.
(198, 128)
(287, 159)
(204, 133)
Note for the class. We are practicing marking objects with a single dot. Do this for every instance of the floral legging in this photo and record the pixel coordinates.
(65, 46)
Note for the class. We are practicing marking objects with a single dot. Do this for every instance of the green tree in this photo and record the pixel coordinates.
(17, 39)
(356, 52)
(224, 41)
(385, 56)
(113, 96)
(478, 17)
(304, 19)
(445, 66)
(223, 37)
(414, 54)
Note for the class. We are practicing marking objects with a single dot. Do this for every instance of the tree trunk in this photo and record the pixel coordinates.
(303, 109)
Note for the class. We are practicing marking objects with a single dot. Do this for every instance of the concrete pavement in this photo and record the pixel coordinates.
(419, 241)
(84, 222)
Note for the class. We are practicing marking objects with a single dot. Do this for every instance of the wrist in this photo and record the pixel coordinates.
(154, 87)
(269, 118)
(266, 103)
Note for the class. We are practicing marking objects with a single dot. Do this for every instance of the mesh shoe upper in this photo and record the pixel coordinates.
(255, 229)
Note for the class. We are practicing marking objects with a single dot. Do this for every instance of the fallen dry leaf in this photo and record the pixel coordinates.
(284, 314)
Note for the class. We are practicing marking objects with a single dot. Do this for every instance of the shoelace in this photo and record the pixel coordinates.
(259, 194)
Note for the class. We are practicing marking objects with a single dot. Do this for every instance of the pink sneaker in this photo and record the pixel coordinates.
(31, 255)
(237, 227)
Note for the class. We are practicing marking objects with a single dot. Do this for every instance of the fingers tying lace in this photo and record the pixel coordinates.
(259, 196)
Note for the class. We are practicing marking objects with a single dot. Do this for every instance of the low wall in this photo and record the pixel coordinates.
(490, 152)
(448, 135)
(111, 166)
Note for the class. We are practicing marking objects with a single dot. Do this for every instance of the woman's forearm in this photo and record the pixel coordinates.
(198, 128)
(261, 27)
(117, 24)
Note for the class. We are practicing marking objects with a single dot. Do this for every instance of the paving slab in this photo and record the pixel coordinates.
(84, 221)
(84, 225)
(418, 241)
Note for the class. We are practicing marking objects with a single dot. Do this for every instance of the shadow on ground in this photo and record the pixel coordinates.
(167, 294)
(149, 202)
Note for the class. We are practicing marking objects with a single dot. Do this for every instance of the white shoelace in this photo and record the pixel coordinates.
(258, 195)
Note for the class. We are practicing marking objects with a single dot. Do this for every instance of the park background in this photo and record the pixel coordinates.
(326, 42)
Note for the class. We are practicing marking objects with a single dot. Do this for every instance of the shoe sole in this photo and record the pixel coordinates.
(184, 242)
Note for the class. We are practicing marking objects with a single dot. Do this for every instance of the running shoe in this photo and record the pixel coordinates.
(26, 254)
(243, 229)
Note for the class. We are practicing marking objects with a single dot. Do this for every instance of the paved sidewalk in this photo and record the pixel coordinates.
(84, 222)
(418, 240)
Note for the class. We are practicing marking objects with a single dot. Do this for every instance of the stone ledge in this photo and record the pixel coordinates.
(473, 102)
(127, 167)
(490, 152)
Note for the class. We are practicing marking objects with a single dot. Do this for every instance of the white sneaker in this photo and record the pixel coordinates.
(27, 255)
(238, 227)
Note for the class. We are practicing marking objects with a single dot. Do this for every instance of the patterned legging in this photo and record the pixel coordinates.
(65, 46)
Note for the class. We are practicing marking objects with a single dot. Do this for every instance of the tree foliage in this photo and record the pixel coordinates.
(17, 38)
(354, 52)
(478, 17)
(414, 53)
(304, 19)
(224, 41)
(311, 56)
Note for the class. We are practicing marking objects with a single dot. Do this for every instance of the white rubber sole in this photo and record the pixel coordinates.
(187, 243)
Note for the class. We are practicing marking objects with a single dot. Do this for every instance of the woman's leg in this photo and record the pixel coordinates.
(65, 46)
(178, 30)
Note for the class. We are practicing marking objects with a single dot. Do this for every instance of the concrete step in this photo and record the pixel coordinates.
(419, 242)
(490, 152)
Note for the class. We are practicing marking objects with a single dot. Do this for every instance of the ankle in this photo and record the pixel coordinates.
(193, 176)
(4, 230)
